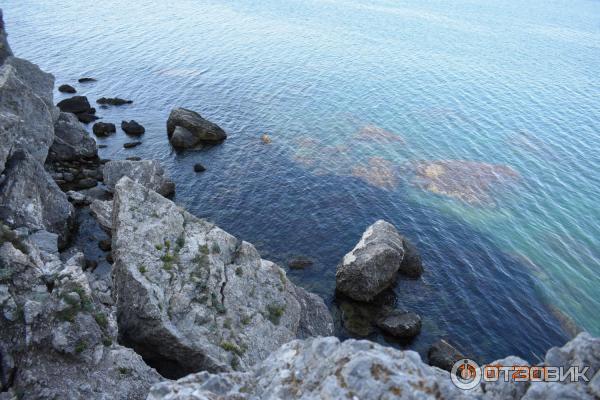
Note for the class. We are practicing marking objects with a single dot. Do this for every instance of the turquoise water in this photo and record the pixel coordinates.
(367, 103)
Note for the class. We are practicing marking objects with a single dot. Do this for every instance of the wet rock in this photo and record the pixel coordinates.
(132, 128)
(103, 129)
(5, 50)
(443, 355)
(201, 130)
(191, 297)
(373, 264)
(18, 99)
(87, 118)
(113, 101)
(183, 139)
(104, 245)
(322, 368)
(63, 345)
(199, 167)
(67, 89)
(71, 140)
(134, 158)
(75, 105)
(29, 197)
(146, 172)
(86, 80)
(130, 145)
(266, 139)
(401, 324)
(300, 263)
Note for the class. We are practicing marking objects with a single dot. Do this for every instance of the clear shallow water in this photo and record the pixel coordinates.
(507, 83)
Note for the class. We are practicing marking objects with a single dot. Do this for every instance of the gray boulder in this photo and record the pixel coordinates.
(29, 197)
(401, 324)
(556, 391)
(583, 350)
(5, 50)
(373, 264)
(11, 128)
(71, 140)
(510, 390)
(19, 99)
(191, 297)
(195, 130)
(102, 211)
(57, 341)
(146, 172)
(323, 368)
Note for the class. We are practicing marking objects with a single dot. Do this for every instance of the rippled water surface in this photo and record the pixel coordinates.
(472, 126)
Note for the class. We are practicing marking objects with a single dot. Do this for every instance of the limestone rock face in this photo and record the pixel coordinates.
(323, 368)
(191, 297)
(373, 264)
(146, 172)
(29, 197)
(5, 50)
(195, 129)
(71, 140)
(56, 339)
(20, 100)
(11, 128)
(583, 350)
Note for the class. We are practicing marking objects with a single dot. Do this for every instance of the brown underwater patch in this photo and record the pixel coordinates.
(379, 172)
(375, 133)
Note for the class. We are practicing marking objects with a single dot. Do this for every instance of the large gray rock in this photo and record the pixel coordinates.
(191, 297)
(195, 130)
(19, 99)
(71, 140)
(373, 264)
(56, 340)
(146, 172)
(5, 50)
(29, 197)
(102, 211)
(501, 390)
(583, 350)
(323, 368)
(11, 128)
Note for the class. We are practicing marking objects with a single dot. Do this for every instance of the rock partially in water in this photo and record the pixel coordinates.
(199, 167)
(374, 262)
(113, 101)
(375, 133)
(443, 355)
(104, 129)
(132, 128)
(130, 145)
(300, 262)
(379, 172)
(67, 89)
(148, 173)
(87, 118)
(191, 297)
(470, 181)
(183, 139)
(86, 80)
(323, 368)
(19, 99)
(75, 105)
(5, 50)
(266, 139)
(29, 197)
(401, 324)
(71, 141)
(201, 129)
(57, 341)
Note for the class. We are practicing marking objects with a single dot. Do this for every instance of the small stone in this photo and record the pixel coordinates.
(132, 128)
(401, 324)
(300, 263)
(105, 245)
(103, 129)
(67, 89)
(86, 118)
(130, 145)
(199, 167)
(86, 80)
(113, 101)
(266, 139)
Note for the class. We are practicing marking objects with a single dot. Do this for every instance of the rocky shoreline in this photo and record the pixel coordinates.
(184, 309)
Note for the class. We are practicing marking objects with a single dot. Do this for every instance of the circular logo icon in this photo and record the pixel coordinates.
(465, 374)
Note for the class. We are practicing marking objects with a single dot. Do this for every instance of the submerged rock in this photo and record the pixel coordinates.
(75, 105)
(374, 262)
(266, 139)
(195, 129)
(322, 368)
(71, 140)
(130, 145)
(29, 197)
(401, 324)
(113, 101)
(443, 355)
(87, 118)
(379, 172)
(103, 129)
(148, 173)
(132, 128)
(191, 297)
(67, 89)
(376, 133)
(300, 263)
(199, 167)
(86, 80)
(470, 181)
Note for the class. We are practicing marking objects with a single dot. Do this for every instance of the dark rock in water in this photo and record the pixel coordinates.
(75, 105)
(113, 101)
(103, 129)
(102, 146)
(300, 263)
(29, 197)
(196, 129)
(411, 266)
(199, 167)
(86, 80)
(135, 158)
(71, 140)
(104, 245)
(132, 128)
(374, 262)
(443, 355)
(5, 50)
(66, 89)
(90, 265)
(86, 118)
(401, 324)
(130, 145)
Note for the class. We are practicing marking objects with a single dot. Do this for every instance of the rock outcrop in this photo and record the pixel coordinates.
(30, 198)
(191, 297)
(194, 129)
(443, 355)
(149, 173)
(56, 339)
(5, 50)
(373, 264)
(71, 140)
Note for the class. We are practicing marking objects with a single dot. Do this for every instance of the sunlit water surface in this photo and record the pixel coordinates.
(357, 97)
